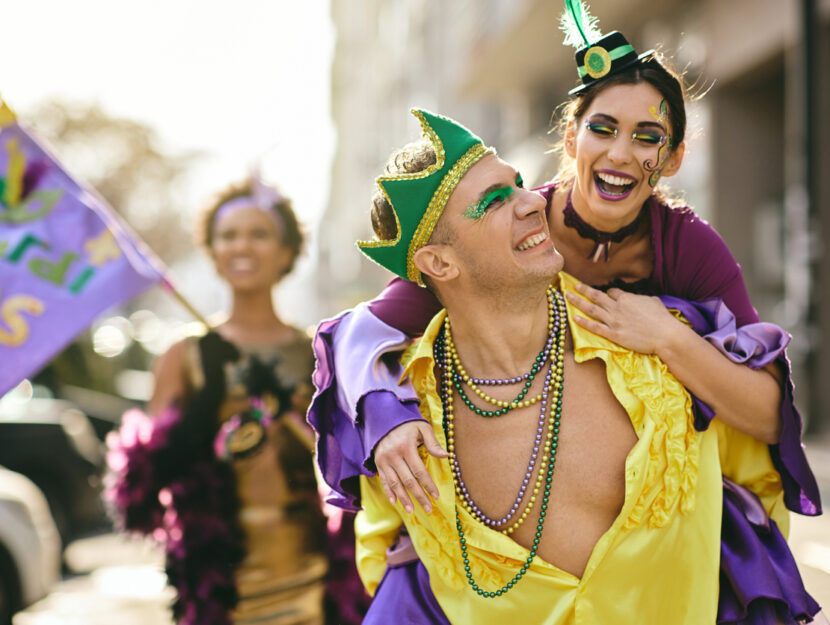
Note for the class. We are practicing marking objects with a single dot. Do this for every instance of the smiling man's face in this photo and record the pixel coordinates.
(500, 230)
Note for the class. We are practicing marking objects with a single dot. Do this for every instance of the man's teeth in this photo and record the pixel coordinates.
(533, 241)
(615, 180)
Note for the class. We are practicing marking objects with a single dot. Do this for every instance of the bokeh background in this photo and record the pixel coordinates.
(161, 104)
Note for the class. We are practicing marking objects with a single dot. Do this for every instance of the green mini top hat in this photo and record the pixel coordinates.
(597, 55)
(419, 198)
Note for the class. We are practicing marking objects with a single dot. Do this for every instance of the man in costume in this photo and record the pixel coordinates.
(365, 416)
(576, 488)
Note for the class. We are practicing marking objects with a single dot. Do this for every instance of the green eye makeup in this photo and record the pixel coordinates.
(642, 138)
(476, 211)
(648, 138)
(601, 129)
(656, 168)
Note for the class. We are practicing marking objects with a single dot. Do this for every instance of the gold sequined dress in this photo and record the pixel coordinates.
(280, 581)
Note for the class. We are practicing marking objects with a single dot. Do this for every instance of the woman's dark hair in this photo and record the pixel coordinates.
(291, 234)
(652, 71)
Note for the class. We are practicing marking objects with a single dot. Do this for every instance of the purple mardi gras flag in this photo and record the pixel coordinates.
(65, 256)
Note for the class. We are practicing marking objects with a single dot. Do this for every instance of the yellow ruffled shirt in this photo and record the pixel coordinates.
(657, 563)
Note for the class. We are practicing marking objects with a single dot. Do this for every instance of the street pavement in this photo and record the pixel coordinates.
(115, 580)
(112, 580)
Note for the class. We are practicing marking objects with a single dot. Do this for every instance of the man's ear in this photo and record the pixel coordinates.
(436, 261)
(570, 139)
(674, 161)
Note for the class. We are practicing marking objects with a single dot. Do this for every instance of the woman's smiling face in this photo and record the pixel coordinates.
(247, 249)
(621, 147)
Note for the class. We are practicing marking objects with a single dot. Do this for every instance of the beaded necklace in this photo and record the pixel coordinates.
(461, 488)
(553, 383)
(551, 386)
(460, 374)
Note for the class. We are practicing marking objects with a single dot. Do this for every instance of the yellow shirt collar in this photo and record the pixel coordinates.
(585, 342)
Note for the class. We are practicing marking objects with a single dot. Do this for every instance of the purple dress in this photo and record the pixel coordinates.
(356, 406)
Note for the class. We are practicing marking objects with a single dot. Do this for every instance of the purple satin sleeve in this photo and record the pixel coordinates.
(759, 578)
(357, 373)
(406, 306)
(404, 597)
(756, 345)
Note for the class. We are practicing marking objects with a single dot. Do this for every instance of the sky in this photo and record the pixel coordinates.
(245, 83)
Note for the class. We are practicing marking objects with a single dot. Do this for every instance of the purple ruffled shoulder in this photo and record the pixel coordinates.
(757, 345)
(356, 373)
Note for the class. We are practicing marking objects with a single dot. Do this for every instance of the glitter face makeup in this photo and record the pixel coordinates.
(611, 145)
(665, 146)
(640, 138)
(477, 211)
(644, 139)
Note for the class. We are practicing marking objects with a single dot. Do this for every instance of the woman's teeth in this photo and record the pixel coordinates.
(242, 264)
(533, 241)
(613, 185)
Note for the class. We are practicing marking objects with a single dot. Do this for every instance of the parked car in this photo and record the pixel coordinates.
(104, 410)
(30, 547)
(52, 442)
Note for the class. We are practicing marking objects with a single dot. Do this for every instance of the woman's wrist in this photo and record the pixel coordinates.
(673, 341)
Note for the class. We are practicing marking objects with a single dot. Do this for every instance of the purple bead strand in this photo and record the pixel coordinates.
(495, 523)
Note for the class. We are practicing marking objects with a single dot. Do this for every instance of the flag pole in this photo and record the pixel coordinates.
(184, 302)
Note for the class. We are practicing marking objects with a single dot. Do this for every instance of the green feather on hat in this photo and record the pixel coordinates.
(597, 55)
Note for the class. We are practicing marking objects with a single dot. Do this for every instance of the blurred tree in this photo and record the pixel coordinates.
(123, 160)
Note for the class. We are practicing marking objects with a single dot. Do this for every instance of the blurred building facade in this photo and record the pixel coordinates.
(389, 56)
(758, 160)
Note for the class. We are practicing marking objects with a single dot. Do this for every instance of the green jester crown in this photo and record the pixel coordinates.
(419, 198)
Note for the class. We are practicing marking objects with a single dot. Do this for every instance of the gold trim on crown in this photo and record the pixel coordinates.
(437, 204)
(440, 155)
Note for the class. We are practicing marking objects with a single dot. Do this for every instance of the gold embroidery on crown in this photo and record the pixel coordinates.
(440, 155)
(437, 204)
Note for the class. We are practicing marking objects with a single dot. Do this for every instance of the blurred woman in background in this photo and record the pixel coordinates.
(223, 473)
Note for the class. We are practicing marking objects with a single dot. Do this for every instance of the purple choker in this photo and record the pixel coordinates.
(602, 240)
